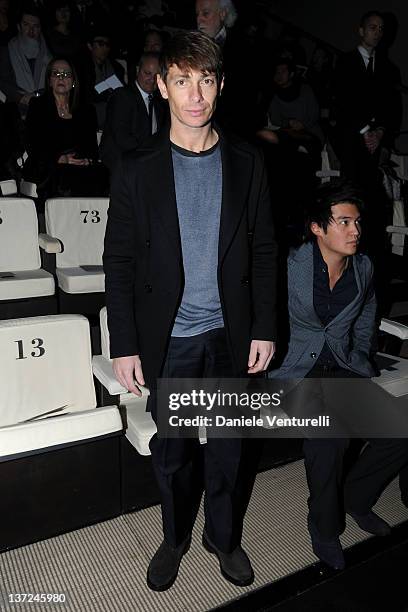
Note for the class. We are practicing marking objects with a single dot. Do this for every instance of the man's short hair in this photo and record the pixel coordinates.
(231, 12)
(192, 51)
(337, 191)
(368, 15)
(28, 9)
(148, 55)
(98, 31)
(283, 61)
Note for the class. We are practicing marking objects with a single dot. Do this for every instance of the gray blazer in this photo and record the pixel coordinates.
(349, 335)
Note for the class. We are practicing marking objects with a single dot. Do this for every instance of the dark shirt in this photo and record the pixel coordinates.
(329, 303)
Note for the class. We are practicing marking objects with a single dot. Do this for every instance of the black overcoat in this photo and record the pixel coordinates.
(143, 257)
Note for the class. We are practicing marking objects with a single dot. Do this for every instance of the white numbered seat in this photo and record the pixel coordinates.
(45, 371)
(75, 234)
(79, 224)
(49, 418)
(25, 288)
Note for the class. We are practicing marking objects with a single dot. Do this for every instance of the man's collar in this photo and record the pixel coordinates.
(142, 91)
(363, 51)
(221, 36)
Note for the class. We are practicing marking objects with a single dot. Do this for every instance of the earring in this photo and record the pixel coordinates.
(73, 85)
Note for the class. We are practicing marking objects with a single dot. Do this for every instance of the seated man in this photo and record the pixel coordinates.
(293, 114)
(133, 113)
(332, 322)
(24, 61)
(98, 67)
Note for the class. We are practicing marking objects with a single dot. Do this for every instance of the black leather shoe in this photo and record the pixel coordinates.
(164, 567)
(371, 523)
(328, 551)
(235, 566)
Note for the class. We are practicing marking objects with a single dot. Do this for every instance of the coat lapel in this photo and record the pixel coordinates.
(357, 299)
(237, 168)
(302, 280)
(161, 193)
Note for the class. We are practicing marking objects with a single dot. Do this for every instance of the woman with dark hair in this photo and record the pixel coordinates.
(61, 38)
(61, 138)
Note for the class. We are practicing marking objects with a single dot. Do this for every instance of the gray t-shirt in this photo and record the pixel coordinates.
(198, 182)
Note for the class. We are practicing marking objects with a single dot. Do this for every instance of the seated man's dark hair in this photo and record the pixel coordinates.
(98, 30)
(192, 51)
(28, 8)
(364, 18)
(337, 191)
(283, 61)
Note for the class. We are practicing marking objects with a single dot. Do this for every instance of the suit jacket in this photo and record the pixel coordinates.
(143, 258)
(359, 97)
(127, 123)
(349, 335)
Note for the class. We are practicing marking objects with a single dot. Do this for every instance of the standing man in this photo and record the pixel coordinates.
(332, 322)
(97, 67)
(367, 117)
(363, 99)
(190, 263)
(133, 113)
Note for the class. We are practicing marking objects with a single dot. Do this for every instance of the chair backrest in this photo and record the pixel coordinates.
(18, 235)
(45, 367)
(80, 224)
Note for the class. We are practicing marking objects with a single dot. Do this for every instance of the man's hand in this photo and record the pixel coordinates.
(296, 125)
(260, 354)
(25, 99)
(69, 158)
(128, 371)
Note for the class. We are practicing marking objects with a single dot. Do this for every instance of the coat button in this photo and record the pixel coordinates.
(148, 288)
(148, 243)
(244, 280)
(313, 355)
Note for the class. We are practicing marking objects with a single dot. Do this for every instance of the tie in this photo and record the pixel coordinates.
(150, 113)
(370, 66)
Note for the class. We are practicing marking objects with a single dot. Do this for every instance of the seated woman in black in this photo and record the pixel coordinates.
(61, 139)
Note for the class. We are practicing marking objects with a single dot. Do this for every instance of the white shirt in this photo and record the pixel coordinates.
(145, 97)
(366, 56)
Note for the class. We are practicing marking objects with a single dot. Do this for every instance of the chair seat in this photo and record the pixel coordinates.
(27, 284)
(8, 187)
(394, 374)
(54, 431)
(141, 426)
(78, 280)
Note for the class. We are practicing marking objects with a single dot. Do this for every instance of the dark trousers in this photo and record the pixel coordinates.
(331, 494)
(375, 467)
(224, 468)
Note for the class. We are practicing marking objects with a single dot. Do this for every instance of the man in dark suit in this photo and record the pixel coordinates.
(190, 263)
(367, 117)
(95, 68)
(133, 113)
(363, 99)
(332, 323)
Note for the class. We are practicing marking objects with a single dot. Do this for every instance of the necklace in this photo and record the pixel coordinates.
(63, 112)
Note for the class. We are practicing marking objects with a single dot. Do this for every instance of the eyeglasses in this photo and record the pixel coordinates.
(61, 74)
